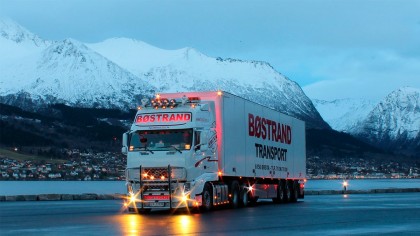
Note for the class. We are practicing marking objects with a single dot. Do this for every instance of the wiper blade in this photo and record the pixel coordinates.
(176, 148)
(145, 148)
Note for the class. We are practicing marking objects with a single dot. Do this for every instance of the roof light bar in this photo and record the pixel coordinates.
(164, 103)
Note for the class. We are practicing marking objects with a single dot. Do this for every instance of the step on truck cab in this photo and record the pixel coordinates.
(205, 149)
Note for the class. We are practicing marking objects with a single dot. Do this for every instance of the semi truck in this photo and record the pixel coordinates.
(207, 149)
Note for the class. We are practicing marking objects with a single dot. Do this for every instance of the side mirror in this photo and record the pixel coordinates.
(124, 150)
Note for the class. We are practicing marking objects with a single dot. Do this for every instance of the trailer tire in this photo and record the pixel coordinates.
(295, 191)
(244, 196)
(234, 190)
(286, 191)
(207, 197)
(280, 192)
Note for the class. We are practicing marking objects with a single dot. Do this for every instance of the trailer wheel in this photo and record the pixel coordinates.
(244, 196)
(234, 190)
(207, 197)
(295, 191)
(280, 192)
(286, 191)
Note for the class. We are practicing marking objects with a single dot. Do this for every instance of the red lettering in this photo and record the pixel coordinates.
(171, 117)
(251, 124)
(273, 131)
(264, 129)
(179, 117)
(261, 127)
(257, 126)
(279, 137)
(269, 122)
(283, 133)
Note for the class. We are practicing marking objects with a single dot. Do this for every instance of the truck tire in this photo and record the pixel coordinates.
(234, 191)
(280, 192)
(295, 191)
(244, 196)
(207, 198)
(286, 191)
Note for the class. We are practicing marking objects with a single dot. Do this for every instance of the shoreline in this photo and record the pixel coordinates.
(119, 196)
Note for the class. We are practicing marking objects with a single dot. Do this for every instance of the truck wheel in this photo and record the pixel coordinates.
(207, 197)
(244, 197)
(280, 192)
(234, 191)
(286, 192)
(295, 192)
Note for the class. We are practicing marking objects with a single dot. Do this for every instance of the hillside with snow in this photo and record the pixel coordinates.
(189, 70)
(395, 122)
(344, 114)
(116, 73)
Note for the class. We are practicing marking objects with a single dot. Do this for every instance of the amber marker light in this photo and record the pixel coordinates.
(219, 93)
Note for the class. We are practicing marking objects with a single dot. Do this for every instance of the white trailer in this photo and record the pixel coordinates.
(204, 149)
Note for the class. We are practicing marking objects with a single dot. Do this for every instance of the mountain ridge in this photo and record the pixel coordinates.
(392, 123)
(73, 73)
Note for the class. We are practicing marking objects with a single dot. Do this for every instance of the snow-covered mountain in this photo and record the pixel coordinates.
(344, 114)
(395, 122)
(117, 72)
(189, 70)
(64, 71)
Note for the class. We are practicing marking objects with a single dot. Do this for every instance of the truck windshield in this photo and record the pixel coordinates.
(161, 140)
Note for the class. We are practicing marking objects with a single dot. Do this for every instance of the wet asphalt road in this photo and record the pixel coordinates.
(357, 214)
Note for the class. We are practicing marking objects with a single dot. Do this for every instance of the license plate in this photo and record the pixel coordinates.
(155, 204)
(156, 197)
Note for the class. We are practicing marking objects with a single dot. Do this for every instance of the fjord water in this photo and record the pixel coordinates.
(111, 187)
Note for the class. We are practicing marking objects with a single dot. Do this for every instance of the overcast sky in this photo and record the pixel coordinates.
(332, 48)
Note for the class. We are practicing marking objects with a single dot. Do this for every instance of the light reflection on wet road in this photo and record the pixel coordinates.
(363, 214)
